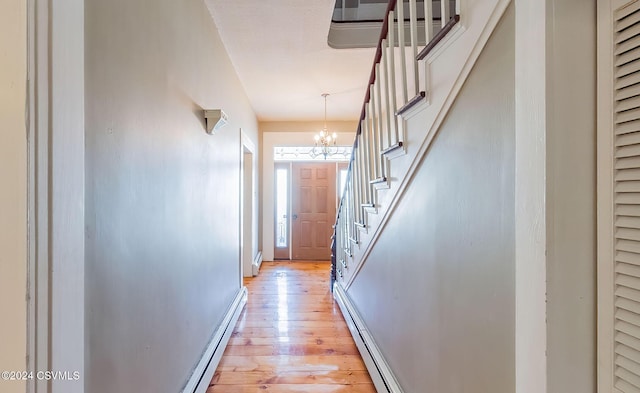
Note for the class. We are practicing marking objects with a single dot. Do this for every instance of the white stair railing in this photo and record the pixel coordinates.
(379, 137)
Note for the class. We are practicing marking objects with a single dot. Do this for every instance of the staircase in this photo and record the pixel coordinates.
(357, 23)
(417, 73)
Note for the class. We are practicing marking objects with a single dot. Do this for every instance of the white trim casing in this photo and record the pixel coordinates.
(248, 220)
(530, 193)
(380, 372)
(257, 262)
(203, 372)
(605, 196)
(56, 219)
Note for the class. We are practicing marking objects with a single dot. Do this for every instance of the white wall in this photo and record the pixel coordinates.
(437, 291)
(289, 134)
(162, 196)
(13, 191)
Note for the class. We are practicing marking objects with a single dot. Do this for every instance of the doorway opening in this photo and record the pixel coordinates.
(306, 198)
(247, 268)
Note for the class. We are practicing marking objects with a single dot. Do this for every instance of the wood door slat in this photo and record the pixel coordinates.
(626, 11)
(628, 377)
(626, 196)
(631, 31)
(627, 57)
(627, 80)
(628, 151)
(628, 364)
(631, 174)
(628, 281)
(629, 68)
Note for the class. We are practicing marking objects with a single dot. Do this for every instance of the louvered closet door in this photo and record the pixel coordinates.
(626, 357)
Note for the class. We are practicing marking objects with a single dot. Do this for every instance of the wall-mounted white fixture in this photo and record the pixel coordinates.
(216, 119)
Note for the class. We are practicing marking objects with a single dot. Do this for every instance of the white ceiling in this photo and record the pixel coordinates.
(279, 50)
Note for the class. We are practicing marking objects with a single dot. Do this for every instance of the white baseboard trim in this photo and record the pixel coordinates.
(202, 374)
(381, 375)
(257, 262)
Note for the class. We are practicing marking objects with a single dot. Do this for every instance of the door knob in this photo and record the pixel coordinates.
(295, 216)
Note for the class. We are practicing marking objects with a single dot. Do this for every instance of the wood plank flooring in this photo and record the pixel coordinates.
(291, 337)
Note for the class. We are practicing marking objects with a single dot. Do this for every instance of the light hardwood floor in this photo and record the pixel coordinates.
(291, 337)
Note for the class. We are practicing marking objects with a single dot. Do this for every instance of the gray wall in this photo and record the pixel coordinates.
(438, 290)
(162, 196)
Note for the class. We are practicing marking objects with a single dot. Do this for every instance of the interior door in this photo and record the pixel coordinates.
(313, 210)
(618, 196)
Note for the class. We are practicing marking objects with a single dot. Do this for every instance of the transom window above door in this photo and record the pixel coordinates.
(309, 153)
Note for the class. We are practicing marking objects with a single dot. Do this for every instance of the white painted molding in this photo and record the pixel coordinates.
(382, 185)
(383, 378)
(371, 209)
(468, 52)
(531, 236)
(56, 170)
(449, 39)
(257, 262)
(247, 142)
(417, 108)
(605, 193)
(203, 372)
(397, 152)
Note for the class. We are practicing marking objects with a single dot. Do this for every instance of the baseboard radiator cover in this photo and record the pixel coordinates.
(203, 372)
(257, 262)
(379, 370)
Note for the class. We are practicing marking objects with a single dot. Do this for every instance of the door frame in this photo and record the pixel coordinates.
(55, 192)
(278, 134)
(605, 196)
(289, 165)
(247, 159)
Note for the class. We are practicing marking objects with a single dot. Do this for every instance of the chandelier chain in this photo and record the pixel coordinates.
(325, 110)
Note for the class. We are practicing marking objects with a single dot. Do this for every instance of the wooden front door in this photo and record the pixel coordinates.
(313, 210)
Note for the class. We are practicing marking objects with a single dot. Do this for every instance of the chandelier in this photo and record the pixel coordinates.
(325, 143)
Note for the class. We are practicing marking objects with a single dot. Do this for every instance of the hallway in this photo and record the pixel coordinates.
(291, 337)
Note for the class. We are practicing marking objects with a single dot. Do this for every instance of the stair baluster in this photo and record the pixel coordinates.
(381, 128)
